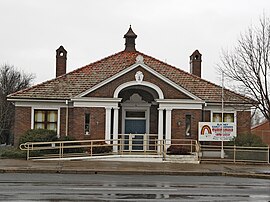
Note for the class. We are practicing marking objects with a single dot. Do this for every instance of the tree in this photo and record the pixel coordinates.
(11, 80)
(248, 65)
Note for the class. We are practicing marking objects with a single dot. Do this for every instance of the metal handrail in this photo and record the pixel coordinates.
(236, 154)
(153, 146)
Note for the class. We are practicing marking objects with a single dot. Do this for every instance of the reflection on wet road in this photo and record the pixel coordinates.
(78, 187)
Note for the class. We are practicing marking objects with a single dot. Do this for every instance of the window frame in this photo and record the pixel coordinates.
(190, 124)
(225, 112)
(46, 109)
(89, 123)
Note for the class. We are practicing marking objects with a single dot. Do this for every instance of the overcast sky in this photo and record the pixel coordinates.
(169, 30)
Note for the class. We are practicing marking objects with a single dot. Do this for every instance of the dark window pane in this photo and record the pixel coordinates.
(135, 114)
(188, 126)
(87, 124)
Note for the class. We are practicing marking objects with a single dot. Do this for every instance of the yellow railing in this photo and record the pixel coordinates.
(126, 144)
(144, 144)
(235, 154)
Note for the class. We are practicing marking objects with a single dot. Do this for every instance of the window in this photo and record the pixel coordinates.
(227, 117)
(135, 114)
(87, 124)
(45, 119)
(188, 125)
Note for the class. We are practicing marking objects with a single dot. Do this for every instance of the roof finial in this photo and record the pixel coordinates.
(130, 37)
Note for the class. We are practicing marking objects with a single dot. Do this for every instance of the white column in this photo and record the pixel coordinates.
(168, 132)
(108, 125)
(115, 127)
(160, 128)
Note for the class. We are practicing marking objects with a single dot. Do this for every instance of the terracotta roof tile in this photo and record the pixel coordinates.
(76, 82)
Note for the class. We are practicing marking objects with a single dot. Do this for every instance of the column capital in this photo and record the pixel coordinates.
(116, 108)
(160, 109)
(168, 109)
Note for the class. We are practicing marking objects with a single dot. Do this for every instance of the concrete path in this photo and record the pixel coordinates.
(122, 167)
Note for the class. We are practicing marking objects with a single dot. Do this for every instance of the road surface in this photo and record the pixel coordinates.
(80, 187)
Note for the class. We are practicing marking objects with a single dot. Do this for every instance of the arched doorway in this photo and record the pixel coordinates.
(139, 116)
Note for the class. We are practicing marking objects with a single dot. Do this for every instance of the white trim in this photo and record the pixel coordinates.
(160, 128)
(46, 108)
(180, 106)
(108, 125)
(96, 99)
(149, 69)
(96, 102)
(134, 83)
(35, 100)
(179, 101)
(226, 108)
(168, 131)
(115, 127)
(230, 105)
(38, 103)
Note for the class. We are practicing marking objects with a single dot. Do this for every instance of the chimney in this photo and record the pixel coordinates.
(130, 37)
(61, 61)
(196, 63)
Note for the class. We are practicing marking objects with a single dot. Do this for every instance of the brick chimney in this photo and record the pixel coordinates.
(61, 61)
(196, 63)
(130, 37)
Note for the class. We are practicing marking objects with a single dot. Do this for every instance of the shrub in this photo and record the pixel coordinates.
(71, 150)
(12, 153)
(38, 135)
(247, 140)
(178, 150)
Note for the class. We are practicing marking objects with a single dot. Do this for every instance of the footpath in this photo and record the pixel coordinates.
(125, 167)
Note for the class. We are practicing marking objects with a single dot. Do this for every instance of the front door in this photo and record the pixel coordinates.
(135, 129)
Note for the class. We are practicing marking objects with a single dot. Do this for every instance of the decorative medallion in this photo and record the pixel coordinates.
(139, 76)
(139, 59)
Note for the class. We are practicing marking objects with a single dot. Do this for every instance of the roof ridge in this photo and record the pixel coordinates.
(98, 71)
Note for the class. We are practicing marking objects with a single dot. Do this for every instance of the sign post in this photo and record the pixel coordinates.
(222, 116)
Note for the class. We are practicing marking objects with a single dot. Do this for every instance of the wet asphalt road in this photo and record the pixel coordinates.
(79, 187)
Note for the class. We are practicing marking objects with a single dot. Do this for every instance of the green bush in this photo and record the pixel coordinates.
(178, 150)
(12, 153)
(247, 140)
(71, 150)
(38, 135)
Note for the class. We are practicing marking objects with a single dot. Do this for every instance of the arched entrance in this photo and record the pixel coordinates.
(138, 116)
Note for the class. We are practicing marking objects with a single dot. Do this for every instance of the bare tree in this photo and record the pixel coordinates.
(11, 80)
(248, 65)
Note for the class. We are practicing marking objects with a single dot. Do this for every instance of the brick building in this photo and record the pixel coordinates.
(126, 93)
(263, 131)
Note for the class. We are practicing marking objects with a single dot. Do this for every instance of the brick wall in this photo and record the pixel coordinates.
(22, 122)
(263, 131)
(154, 119)
(243, 122)
(179, 115)
(97, 123)
(108, 89)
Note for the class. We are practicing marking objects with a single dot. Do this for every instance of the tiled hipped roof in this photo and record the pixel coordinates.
(76, 82)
